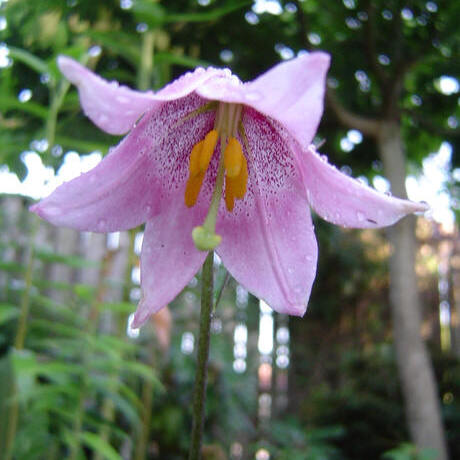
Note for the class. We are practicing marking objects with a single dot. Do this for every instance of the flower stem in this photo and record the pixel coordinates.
(199, 396)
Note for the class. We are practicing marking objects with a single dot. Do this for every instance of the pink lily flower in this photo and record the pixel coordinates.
(169, 172)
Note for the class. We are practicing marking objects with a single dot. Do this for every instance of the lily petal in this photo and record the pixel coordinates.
(291, 92)
(345, 201)
(111, 107)
(268, 242)
(189, 82)
(138, 179)
(169, 258)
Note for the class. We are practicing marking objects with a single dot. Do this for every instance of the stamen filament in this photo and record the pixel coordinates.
(211, 218)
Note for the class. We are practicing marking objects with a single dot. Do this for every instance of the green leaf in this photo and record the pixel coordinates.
(100, 446)
(84, 291)
(119, 307)
(185, 61)
(8, 312)
(9, 102)
(71, 261)
(155, 15)
(121, 43)
(29, 59)
(80, 144)
(12, 267)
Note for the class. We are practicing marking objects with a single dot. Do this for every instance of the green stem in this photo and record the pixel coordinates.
(25, 300)
(91, 331)
(210, 221)
(147, 401)
(199, 396)
(144, 82)
(220, 291)
(57, 95)
(144, 76)
(19, 340)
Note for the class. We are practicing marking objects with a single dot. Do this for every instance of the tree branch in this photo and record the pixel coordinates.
(368, 126)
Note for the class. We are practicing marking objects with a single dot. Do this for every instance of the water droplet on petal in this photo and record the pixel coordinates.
(253, 96)
(360, 216)
(52, 211)
(324, 158)
(102, 225)
(290, 270)
(298, 289)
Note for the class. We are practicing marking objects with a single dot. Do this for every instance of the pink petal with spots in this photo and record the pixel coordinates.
(138, 179)
(268, 242)
(111, 107)
(115, 108)
(292, 93)
(169, 258)
(342, 200)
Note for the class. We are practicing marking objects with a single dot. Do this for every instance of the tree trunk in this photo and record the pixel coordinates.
(415, 370)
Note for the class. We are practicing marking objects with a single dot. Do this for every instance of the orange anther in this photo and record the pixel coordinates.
(233, 158)
(192, 189)
(209, 145)
(194, 164)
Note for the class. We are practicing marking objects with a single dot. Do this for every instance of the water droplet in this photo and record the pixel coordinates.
(308, 258)
(324, 158)
(102, 225)
(290, 270)
(253, 96)
(52, 211)
(360, 216)
(122, 99)
(148, 209)
(102, 118)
